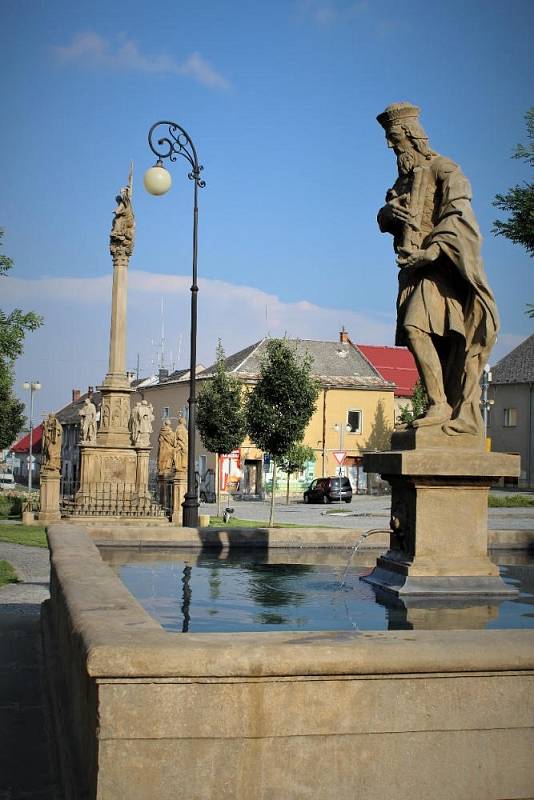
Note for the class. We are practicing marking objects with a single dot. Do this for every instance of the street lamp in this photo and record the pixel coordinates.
(341, 428)
(33, 386)
(485, 402)
(174, 142)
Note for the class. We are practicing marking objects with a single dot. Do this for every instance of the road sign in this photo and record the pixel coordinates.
(339, 455)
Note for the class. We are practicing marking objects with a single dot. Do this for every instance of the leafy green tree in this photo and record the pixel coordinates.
(295, 460)
(519, 202)
(282, 403)
(419, 404)
(221, 414)
(13, 329)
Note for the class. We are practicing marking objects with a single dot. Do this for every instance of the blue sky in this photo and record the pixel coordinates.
(280, 99)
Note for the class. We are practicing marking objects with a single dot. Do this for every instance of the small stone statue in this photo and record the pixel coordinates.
(121, 240)
(166, 441)
(88, 422)
(181, 444)
(51, 445)
(446, 313)
(141, 421)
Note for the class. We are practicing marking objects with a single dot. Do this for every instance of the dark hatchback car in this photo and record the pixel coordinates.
(328, 490)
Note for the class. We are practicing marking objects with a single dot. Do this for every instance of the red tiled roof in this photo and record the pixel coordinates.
(394, 364)
(23, 445)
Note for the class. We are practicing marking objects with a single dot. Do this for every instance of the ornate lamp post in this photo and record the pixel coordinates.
(174, 142)
(33, 386)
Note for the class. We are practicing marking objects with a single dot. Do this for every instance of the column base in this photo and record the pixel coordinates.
(432, 585)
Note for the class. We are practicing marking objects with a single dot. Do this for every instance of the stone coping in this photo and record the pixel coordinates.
(119, 640)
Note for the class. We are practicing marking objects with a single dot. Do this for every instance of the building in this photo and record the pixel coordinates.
(19, 456)
(511, 416)
(395, 364)
(354, 413)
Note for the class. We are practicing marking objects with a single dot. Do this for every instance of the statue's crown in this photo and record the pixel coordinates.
(398, 112)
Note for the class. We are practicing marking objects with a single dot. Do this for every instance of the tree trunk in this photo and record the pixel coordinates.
(287, 490)
(217, 486)
(271, 515)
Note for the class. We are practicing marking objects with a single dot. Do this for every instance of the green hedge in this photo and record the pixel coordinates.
(10, 506)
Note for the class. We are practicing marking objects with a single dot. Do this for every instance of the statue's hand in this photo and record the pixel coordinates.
(412, 259)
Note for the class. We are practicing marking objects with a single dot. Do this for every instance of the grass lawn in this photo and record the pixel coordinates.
(234, 522)
(7, 573)
(511, 501)
(31, 535)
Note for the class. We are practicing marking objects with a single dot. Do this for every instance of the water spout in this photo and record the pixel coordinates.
(355, 550)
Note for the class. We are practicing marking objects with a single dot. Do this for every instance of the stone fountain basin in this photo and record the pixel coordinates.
(142, 713)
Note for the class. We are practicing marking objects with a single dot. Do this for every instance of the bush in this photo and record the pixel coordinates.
(511, 501)
(10, 506)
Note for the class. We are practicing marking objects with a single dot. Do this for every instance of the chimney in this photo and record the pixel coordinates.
(75, 395)
(343, 335)
(163, 374)
(90, 390)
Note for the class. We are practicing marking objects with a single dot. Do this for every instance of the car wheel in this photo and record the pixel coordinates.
(348, 499)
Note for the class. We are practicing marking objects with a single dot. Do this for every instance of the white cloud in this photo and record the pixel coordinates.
(93, 50)
(71, 349)
(328, 13)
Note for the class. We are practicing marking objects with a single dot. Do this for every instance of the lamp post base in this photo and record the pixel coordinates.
(190, 515)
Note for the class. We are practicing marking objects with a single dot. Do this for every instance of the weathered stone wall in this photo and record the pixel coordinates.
(283, 716)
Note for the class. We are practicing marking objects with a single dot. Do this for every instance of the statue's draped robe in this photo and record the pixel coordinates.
(451, 295)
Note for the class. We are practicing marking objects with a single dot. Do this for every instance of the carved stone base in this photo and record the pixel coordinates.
(49, 497)
(439, 513)
(179, 485)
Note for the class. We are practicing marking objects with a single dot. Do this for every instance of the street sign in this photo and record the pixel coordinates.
(339, 455)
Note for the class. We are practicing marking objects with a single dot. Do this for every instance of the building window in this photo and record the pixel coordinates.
(166, 412)
(354, 421)
(510, 417)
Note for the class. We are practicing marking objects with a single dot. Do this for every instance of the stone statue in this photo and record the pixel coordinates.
(121, 240)
(51, 444)
(141, 421)
(88, 422)
(446, 311)
(181, 444)
(166, 440)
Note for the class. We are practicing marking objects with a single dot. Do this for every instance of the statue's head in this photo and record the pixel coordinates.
(404, 132)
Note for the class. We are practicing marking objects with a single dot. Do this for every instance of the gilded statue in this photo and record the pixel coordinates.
(446, 312)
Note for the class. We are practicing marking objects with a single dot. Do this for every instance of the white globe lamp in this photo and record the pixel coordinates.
(157, 179)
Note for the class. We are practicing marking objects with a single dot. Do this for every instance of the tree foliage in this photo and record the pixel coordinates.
(419, 403)
(220, 413)
(13, 329)
(295, 460)
(282, 403)
(519, 200)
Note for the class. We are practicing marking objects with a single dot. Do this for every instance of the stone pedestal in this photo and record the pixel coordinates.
(141, 475)
(439, 514)
(49, 497)
(179, 488)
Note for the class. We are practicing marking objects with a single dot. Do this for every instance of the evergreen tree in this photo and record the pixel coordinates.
(220, 414)
(380, 438)
(13, 329)
(419, 404)
(282, 403)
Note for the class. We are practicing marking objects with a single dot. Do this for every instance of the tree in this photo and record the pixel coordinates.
(13, 329)
(419, 404)
(281, 404)
(220, 414)
(519, 201)
(295, 460)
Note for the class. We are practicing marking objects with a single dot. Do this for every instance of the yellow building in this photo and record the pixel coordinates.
(354, 413)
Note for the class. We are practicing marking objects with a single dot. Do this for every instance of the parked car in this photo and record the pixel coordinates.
(328, 490)
(7, 480)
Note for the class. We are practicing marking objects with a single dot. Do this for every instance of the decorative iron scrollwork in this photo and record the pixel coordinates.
(176, 142)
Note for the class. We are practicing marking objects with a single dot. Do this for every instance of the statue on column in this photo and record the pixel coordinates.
(141, 421)
(51, 444)
(121, 240)
(88, 422)
(181, 444)
(446, 312)
(166, 440)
